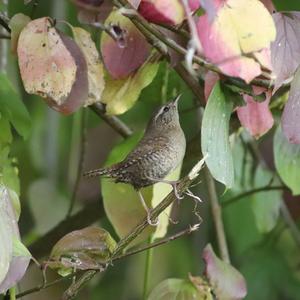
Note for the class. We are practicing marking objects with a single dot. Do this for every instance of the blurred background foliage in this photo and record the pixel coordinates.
(48, 161)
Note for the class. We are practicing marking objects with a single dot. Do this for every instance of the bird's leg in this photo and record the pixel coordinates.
(147, 209)
(173, 183)
(192, 195)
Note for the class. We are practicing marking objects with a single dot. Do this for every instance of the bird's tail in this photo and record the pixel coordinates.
(98, 172)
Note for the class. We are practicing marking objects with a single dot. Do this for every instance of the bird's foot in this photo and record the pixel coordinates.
(148, 211)
(188, 192)
(150, 222)
(176, 193)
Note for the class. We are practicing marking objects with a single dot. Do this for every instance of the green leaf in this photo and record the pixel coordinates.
(120, 95)
(287, 161)
(19, 249)
(16, 24)
(265, 205)
(84, 249)
(12, 107)
(286, 5)
(5, 132)
(215, 139)
(176, 289)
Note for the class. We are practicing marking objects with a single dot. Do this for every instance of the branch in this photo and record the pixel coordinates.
(85, 217)
(217, 216)
(113, 121)
(4, 20)
(254, 191)
(152, 29)
(91, 273)
(123, 243)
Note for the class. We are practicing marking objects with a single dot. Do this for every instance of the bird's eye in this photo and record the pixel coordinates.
(166, 108)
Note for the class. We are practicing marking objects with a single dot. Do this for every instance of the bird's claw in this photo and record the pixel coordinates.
(150, 222)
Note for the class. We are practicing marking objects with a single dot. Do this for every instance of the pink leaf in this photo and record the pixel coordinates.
(210, 80)
(226, 281)
(194, 4)
(52, 66)
(233, 32)
(285, 50)
(123, 59)
(291, 113)
(162, 11)
(255, 116)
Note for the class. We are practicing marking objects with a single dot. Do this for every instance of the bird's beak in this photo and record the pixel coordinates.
(175, 101)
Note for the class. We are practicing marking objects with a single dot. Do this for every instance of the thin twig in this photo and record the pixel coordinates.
(82, 146)
(138, 19)
(217, 216)
(166, 240)
(4, 20)
(254, 191)
(73, 290)
(113, 121)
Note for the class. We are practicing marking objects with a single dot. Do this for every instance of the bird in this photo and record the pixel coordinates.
(159, 152)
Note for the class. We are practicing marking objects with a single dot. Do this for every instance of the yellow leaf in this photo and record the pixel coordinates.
(94, 65)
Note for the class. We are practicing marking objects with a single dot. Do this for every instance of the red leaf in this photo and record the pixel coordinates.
(255, 116)
(162, 11)
(285, 50)
(123, 59)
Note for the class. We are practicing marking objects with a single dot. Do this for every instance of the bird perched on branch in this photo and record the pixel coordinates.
(159, 152)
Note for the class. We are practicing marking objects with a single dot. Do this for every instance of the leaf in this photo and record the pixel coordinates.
(16, 24)
(234, 31)
(12, 107)
(5, 131)
(175, 289)
(215, 140)
(84, 249)
(287, 161)
(226, 281)
(286, 5)
(19, 263)
(162, 11)
(94, 66)
(122, 59)
(265, 205)
(14, 258)
(291, 113)
(52, 66)
(256, 117)
(120, 95)
(285, 50)
(43, 195)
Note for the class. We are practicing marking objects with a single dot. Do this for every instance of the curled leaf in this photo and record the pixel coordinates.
(255, 116)
(285, 50)
(162, 11)
(233, 32)
(16, 24)
(291, 113)
(94, 66)
(227, 283)
(87, 248)
(120, 95)
(122, 57)
(52, 66)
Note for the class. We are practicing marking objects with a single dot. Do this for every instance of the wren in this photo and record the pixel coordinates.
(159, 152)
